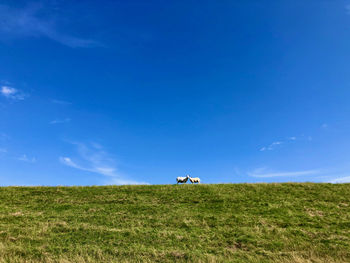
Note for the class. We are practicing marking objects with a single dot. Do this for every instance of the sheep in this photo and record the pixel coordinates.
(195, 180)
(182, 179)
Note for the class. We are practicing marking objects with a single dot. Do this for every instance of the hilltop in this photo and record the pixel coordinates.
(163, 223)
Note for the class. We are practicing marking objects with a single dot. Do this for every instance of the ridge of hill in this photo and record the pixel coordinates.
(289, 222)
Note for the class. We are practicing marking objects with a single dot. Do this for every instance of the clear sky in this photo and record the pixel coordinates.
(119, 92)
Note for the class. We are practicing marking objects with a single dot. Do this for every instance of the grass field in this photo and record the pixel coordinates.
(166, 223)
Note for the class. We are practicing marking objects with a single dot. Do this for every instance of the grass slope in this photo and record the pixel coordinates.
(162, 223)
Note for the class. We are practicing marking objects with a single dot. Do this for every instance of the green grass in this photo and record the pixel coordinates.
(166, 223)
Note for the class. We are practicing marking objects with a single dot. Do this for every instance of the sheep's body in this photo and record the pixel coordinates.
(182, 179)
(195, 180)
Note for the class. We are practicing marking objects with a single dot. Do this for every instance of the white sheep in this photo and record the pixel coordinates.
(195, 180)
(182, 179)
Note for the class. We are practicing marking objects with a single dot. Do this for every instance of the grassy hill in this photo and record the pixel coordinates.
(164, 223)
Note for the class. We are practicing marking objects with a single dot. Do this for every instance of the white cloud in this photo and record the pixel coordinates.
(24, 158)
(291, 139)
(338, 175)
(271, 146)
(29, 22)
(347, 8)
(58, 121)
(345, 179)
(340, 178)
(263, 173)
(118, 181)
(320, 175)
(3, 136)
(104, 170)
(8, 91)
(61, 102)
(276, 143)
(11, 93)
(68, 161)
(95, 160)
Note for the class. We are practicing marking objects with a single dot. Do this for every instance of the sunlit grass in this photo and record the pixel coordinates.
(160, 223)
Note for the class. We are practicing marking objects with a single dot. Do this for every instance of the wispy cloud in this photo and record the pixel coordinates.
(3, 136)
(338, 176)
(12, 93)
(93, 158)
(344, 179)
(29, 22)
(264, 173)
(59, 121)
(271, 146)
(347, 8)
(24, 158)
(335, 175)
(324, 126)
(61, 102)
(68, 161)
(120, 181)
(292, 139)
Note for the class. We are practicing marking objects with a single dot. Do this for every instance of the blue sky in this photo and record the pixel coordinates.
(133, 92)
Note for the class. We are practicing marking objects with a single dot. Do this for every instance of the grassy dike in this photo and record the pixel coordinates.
(185, 223)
